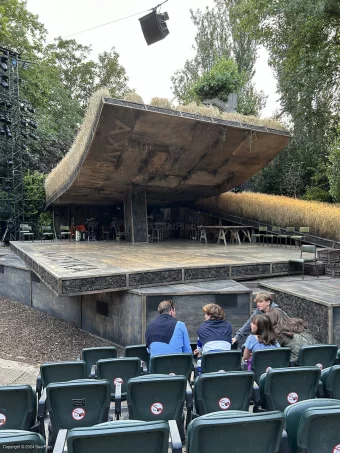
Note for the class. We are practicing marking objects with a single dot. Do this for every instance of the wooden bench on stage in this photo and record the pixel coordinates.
(223, 230)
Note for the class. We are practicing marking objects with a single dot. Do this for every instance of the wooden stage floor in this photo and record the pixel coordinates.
(71, 268)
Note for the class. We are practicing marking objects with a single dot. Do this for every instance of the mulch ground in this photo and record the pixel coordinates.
(31, 336)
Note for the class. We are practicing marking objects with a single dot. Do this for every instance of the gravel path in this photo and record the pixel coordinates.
(31, 336)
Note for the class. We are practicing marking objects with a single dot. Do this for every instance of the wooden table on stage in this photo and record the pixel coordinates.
(223, 230)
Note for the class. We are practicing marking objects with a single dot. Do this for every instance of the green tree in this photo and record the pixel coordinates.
(334, 169)
(218, 38)
(302, 39)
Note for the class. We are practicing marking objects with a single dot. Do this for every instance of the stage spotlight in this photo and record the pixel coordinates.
(9, 162)
(30, 109)
(8, 120)
(33, 136)
(23, 107)
(154, 27)
(2, 131)
(24, 122)
(3, 64)
(8, 132)
(23, 133)
(23, 146)
(3, 82)
(2, 118)
(25, 64)
(32, 124)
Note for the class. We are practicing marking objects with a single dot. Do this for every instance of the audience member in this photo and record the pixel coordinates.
(166, 335)
(290, 332)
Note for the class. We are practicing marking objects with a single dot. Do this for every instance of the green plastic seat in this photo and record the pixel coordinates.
(235, 431)
(17, 440)
(320, 355)
(311, 258)
(18, 407)
(282, 387)
(289, 231)
(172, 364)
(318, 430)
(262, 232)
(138, 350)
(293, 414)
(60, 372)
(300, 235)
(76, 404)
(92, 355)
(119, 371)
(120, 436)
(221, 361)
(157, 397)
(222, 391)
(263, 359)
(330, 378)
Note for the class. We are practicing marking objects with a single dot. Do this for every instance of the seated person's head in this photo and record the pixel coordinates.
(166, 307)
(262, 326)
(213, 312)
(264, 301)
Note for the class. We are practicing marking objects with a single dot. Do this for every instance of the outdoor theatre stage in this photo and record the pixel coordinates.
(76, 268)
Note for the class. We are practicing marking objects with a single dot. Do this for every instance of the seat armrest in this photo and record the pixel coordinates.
(38, 386)
(60, 442)
(118, 400)
(256, 397)
(176, 443)
(189, 403)
(320, 392)
(93, 374)
(284, 447)
(42, 413)
(78, 357)
(144, 369)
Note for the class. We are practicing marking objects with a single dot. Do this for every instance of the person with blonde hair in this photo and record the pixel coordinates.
(214, 334)
(290, 332)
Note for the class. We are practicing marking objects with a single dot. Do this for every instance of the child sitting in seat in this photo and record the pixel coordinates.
(263, 337)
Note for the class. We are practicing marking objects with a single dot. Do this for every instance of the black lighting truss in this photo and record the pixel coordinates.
(17, 126)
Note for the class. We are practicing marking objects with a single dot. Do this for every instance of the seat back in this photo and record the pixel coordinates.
(17, 440)
(222, 391)
(172, 364)
(320, 355)
(263, 359)
(77, 403)
(62, 371)
(293, 415)
(304, 230)
(92, 355)
(281, 387)
(18, 407)
(235, 431)
(119, 371)
(318, 430)
(64, 228)
(221, 361)
(330, 378)
(276, 229)
(156, 397)
(138, 350)
(120, 436)
(46, 229)
(263, 229)
(290, 230)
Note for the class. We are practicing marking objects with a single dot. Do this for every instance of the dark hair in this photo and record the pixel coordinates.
(215, 312)
(264, 330)
(285, 326)
(166, 306)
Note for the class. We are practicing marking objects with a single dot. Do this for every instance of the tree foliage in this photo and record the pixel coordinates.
(302, 39)
(218, 39)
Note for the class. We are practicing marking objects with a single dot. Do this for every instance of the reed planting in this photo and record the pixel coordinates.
(322, 218)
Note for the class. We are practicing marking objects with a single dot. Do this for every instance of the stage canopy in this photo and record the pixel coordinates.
(174, 156)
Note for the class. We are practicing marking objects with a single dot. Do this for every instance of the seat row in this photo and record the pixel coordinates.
(311, 426)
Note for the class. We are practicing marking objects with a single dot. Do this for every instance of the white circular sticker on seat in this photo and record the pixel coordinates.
(172, 374)
(224, 403)
(292, 397)
(156, 408)
(3, 419)
(78, 413)
(118, 380)
(319, 365)
(336, 449)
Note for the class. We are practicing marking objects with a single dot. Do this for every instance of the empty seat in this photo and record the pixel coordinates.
(263, 359)
(221, 361)
(26, 441)
(123, 436)
(18, 407)
(60, 372)
(293, 416)
(223, 391)
(75, 404)
(172, 364)
(235, 431)
(282, 387)
(320, 355)
(138, 350)
(311, 250)
(92, 355)
(262, 232)
(330, 378)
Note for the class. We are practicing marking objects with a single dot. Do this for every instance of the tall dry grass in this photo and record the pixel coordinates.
(322, 218)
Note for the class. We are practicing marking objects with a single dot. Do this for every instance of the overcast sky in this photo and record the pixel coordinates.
(149, 67)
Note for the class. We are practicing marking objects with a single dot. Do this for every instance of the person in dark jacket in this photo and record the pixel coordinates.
(264, 304)
(215, 333)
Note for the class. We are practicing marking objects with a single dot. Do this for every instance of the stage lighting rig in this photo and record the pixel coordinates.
(154, 25)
